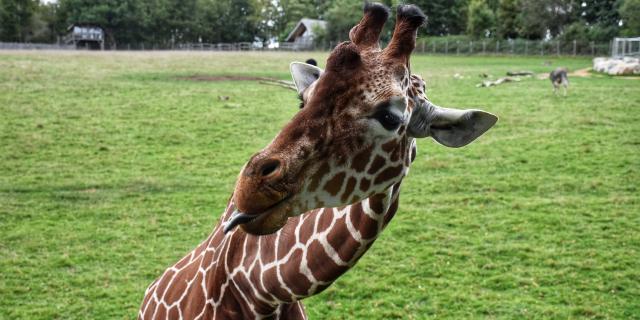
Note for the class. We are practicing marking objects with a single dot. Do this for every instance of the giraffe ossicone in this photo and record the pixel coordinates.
(312, 202)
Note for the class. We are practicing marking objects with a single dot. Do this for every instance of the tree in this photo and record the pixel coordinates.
(604, 12)
(341, 17)
(598, 18)
(481, 20)
(507, 18)
(15, 19)
(444, 17)
(630, 13)
(541, 17)
(230, 21)
(46, 27)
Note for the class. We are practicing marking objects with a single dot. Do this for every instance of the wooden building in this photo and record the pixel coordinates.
(304, 34)
(85, 36)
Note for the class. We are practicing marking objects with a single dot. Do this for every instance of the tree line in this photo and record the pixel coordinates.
(167, 22)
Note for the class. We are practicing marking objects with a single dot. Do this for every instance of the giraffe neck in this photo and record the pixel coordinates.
(241, 276)
(309, 254)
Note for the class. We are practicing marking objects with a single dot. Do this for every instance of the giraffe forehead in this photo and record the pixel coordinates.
(381, 83)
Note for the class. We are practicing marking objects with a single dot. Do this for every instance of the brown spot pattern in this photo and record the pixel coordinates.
(361, 159)
(297, 282)
(377, 164)
(351, 184)
(388, 174)
(318, 175)
(342, 241)
(321, 265)
(334, 185)
(389, 146)
(364, 184)
(376, 203)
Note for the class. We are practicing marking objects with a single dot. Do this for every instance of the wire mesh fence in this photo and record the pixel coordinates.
(441, 46)
(623, 47)
(514, 47)
(34, 46)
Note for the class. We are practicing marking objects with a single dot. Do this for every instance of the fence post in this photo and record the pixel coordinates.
(541, 48)
(526, 47)
(484, 47)
(558, 47)
(422, 46)
(593, 49)
(434, 47)
(497, 46)
(457, 47)
(512, 47)
(574, 47)
(611, 46)
(470, 47)
(446, 46)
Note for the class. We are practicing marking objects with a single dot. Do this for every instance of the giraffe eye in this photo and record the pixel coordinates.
(389, 120)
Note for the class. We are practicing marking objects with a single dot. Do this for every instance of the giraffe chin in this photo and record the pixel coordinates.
(268, 221)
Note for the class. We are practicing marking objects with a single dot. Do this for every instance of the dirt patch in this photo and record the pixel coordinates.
(586, 73)
(221, 78)
(542, 76)
(583, 73)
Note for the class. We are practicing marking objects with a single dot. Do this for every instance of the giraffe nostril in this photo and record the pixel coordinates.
(270, 167)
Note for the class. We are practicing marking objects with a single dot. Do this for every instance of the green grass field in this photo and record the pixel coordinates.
(112, 168)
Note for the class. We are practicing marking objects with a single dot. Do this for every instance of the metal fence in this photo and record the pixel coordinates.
(514, 47)
(34, 46)
(623, 47)
(441, 46)
(444, 46)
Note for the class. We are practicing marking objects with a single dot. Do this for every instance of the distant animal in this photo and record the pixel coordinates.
(559, 78)
(312, 62)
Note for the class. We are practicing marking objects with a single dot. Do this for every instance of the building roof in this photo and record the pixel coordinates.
(83, 25)
(303, 25)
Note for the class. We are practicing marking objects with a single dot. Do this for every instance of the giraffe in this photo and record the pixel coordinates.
(311, 203)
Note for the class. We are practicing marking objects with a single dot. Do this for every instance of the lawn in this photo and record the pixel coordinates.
(113, 166)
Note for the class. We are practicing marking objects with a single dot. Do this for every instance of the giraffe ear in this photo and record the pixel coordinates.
(304, 75)
(449, 127)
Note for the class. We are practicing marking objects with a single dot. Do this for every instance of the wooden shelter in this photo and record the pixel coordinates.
(304, 33)
(85, 36)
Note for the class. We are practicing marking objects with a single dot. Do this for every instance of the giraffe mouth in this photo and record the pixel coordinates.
(266, 222)
(237, 218)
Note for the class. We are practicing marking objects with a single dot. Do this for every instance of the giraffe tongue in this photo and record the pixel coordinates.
(237, 218)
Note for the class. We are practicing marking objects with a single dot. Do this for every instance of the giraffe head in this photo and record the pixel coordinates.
(354, 136)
